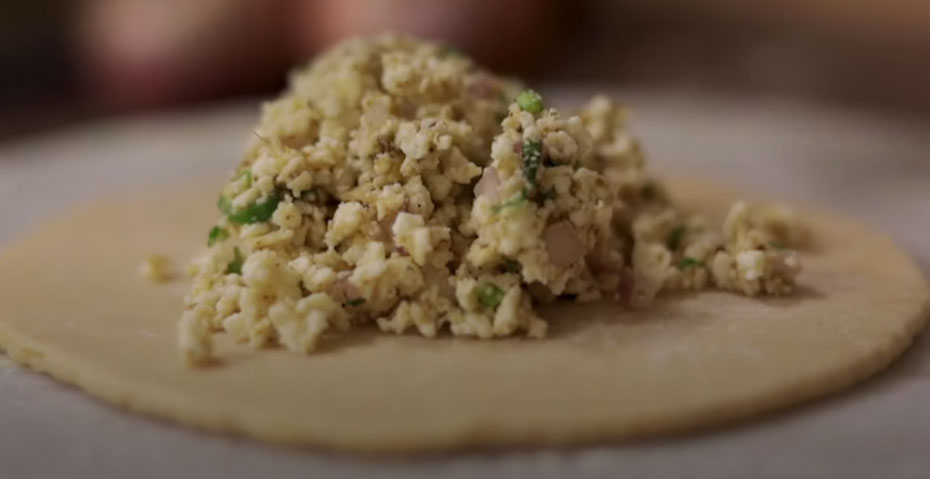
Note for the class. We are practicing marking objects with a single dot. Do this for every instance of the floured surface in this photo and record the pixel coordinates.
(72, 304)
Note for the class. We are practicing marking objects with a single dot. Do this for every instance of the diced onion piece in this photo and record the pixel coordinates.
(625, 286)
(343, 290)
(599, 261)
(563, 244)
(483, 86)
(386, 225)
(488, 185)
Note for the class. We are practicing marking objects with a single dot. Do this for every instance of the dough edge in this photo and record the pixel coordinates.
(25, 349)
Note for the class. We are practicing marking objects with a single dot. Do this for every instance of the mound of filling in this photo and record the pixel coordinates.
(398, 184)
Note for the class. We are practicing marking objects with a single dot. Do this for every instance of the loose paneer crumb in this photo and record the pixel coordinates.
(398, 184)
(157, 268)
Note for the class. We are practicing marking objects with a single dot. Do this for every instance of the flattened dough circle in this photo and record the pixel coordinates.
(73, 305)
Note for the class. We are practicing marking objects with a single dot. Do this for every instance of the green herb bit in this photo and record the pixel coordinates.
(258, 211)
(512, 266)
(532, 158)
(532, 149)
(490, 294)
(224, 205)
(687, 263)
(235, 266)
(247, 173)
(356, 301)
(216, 235)
(674, 237)
(777, 245)
(517, 200)
(530, 101)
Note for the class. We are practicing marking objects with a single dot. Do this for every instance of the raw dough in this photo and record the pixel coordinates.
(73, 305)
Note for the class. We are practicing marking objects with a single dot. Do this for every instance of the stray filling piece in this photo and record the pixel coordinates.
(398, 184)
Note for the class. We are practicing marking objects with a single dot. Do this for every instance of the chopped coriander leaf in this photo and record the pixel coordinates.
(687, 262)
(356, 301)
(530, 101)
(235, 266)
(517, 200)
(512, 266)
(216, 234)
(490, 294)
(673, 241)
(532, 158)
(258, 211)
(224, 205)
(777, 245)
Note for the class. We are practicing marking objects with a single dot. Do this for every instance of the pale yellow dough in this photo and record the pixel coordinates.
(73, 305)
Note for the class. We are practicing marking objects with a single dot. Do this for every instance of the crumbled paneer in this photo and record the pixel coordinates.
(398, 184)
(157, 268)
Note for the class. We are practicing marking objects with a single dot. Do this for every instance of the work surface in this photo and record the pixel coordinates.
(871, 167)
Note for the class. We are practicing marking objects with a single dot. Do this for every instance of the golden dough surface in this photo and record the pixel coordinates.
(73, 305)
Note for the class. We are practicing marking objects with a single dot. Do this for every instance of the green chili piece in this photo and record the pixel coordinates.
(235, 266)
(247, 173)
(530, 101)
(777, 245)
(356, 301)
(490, 294)
(216, 235)
(258, 211)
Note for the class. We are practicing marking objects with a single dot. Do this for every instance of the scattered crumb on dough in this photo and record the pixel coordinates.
(157, 268)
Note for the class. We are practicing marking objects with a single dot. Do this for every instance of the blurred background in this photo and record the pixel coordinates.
(65, 62)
